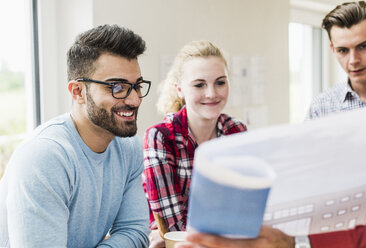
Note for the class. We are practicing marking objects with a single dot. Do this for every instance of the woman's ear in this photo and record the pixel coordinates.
(76, 90)
(179, 91)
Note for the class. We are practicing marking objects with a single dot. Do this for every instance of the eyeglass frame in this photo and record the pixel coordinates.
(119, 80)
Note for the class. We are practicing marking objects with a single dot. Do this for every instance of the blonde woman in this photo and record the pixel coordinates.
(192, 96)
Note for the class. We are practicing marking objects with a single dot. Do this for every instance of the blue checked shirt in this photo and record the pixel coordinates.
(339, 98)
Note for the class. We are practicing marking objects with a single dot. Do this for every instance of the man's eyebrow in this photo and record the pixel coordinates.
(116, 79)
(121, 79)
(343, 47)
(340, 47)
(362, 43)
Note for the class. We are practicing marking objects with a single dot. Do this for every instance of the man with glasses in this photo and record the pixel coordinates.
(77, 179)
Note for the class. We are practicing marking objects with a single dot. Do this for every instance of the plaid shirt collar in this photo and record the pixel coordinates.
(180, 124)
(347, 93)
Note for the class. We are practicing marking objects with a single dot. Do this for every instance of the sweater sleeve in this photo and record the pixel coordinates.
(354, 238)
(38, 193)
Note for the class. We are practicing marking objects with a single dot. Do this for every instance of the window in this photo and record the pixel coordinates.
(313, 68)
(17, 109)
(306, 68)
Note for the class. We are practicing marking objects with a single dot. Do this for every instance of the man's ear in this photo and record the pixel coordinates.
(331, 47)
(77, 91)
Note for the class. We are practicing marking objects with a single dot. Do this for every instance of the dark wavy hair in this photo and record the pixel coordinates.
(90, 44)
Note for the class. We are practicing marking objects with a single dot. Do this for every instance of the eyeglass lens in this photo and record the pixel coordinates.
(122, 90)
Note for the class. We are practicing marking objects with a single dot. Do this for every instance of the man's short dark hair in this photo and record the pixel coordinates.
(89, 45)
(345, 16)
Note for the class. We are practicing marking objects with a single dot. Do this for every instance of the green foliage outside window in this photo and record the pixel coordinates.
(12, 102)
(6, 149)
(10, 80)
(12, 113)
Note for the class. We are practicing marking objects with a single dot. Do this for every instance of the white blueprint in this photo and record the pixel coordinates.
(320, 166)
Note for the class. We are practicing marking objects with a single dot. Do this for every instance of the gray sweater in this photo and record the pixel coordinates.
(57, 192)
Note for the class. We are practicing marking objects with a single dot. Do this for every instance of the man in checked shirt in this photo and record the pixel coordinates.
(346, 28)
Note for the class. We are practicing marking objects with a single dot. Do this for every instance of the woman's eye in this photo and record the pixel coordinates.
(200, 85)
(221, 82)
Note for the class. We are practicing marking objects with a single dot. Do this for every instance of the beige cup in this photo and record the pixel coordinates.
(171, 238)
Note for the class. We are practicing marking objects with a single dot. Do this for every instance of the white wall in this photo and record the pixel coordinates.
(59, 23)
(240, 27)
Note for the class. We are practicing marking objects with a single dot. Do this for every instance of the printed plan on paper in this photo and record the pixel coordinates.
(320, 166)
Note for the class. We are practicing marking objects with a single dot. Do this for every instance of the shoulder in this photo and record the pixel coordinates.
(328, 101)
(41, 159)
(231, 125)
(53, 139)
(173, 123)
(60, 130)
(159, 137)
(40, 148)
(157, 134)
(334, 93)
(50, 149)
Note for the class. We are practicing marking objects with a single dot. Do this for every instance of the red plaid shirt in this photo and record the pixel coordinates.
(169, 150)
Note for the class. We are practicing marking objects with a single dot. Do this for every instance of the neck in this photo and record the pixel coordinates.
(203, 130)
(360, 89)
(96, 138)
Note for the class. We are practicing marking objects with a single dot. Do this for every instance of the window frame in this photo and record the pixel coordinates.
(325, 69)
(36, 92)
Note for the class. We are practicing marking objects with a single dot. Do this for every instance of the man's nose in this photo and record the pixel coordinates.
(133, 99)
(354, 57)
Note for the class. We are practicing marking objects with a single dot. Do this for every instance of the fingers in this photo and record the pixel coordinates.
(212, 241)
(155, 240)
(184, 245)
(188, 245)
(268, 238)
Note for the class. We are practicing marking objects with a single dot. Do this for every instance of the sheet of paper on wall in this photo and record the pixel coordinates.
(240, 81)
(240, 66)
(239, 92)
(320, 167)
(248, 80)
(258, 79)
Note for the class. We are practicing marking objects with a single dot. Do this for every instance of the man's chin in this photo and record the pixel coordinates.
(126, 135)
(127, 131)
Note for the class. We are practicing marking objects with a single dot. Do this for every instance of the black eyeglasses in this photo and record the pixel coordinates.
(121, 88)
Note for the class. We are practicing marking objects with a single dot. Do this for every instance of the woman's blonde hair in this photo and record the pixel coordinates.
(169, 101)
